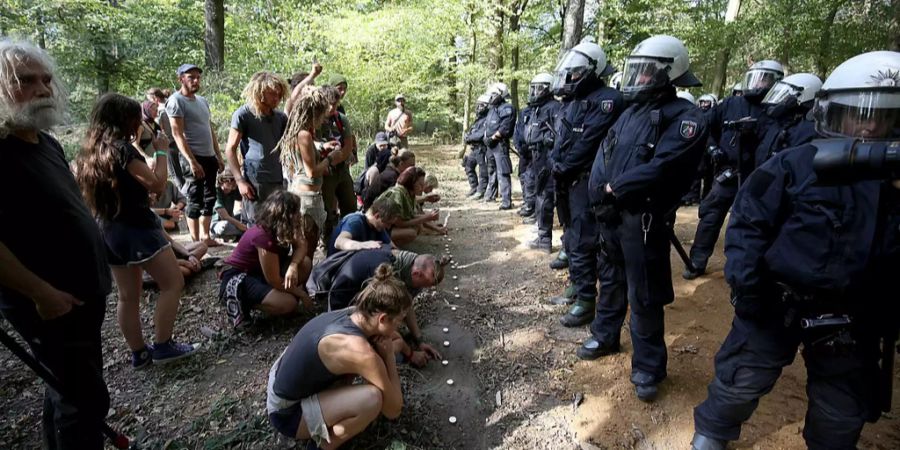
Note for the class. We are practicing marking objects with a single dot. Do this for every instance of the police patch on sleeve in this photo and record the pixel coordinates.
(688, 129)
(606, 106)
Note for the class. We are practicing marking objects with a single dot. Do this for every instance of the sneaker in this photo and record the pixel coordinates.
(141, 359)
(170, 350)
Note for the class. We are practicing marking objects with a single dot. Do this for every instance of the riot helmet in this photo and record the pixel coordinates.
(539, 89)
(797, 89)
(687, 96)
(497, 92)
(616, 81)
(579, 69)
(861, 98)
(738, 89)
(655, 64)
(707, 101)
(761, 77)
(481, 105)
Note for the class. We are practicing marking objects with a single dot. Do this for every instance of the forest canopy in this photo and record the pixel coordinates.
(439, 53)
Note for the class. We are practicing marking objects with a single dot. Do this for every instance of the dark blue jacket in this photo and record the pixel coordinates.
(502, 119)
(734, 108)
(650, 168)
(786, 228)
(475, 135)
(534, 129)
(581, 124)
(778, 134)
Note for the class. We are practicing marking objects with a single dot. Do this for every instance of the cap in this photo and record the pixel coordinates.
(381, 138)
(399, 97)
(337, 79)
(184, 68)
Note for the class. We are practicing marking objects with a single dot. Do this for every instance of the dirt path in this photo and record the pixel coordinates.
(514, 370)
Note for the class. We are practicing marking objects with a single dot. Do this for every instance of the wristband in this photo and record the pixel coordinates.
(161, 153)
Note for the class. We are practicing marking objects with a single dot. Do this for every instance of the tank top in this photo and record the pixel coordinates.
(300, 175)
(299, 372)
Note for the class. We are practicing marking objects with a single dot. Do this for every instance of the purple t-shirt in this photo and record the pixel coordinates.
(246, 255)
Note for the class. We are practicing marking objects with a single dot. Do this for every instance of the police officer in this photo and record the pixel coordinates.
(814, 260)
(537, 137)
(737, 90)
(499, 126)
(786, 123)
(686, 96)
(526, 177)
(733, 125)
(588, 111)
(644, 167)
(705, 171)
(476, 158)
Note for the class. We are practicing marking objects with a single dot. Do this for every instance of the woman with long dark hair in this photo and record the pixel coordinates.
(115, 181)
(269, 268)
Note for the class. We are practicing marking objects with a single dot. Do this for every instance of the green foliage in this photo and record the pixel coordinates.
(422, 48)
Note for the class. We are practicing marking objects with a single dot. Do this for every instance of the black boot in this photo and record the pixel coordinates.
(543, 244)
(689, 274)
(701, 442)
(561, 262)
(645, 386)
(581, 313)
(593, 349)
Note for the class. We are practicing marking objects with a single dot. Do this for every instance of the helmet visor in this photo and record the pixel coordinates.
(781, 91)
(758, 80)
(571, 68)
(537, 91)
(643, 74)
(869, 115)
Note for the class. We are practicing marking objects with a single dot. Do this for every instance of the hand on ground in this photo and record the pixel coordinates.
(429, 351)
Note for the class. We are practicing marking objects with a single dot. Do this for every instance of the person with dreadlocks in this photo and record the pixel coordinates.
(304, 165)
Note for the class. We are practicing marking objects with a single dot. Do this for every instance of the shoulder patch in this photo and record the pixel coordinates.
(688, 129)
(606, 106)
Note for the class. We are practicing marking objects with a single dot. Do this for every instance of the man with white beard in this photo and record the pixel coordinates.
(54, 278)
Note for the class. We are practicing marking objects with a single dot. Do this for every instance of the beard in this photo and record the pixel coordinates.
(40, 114)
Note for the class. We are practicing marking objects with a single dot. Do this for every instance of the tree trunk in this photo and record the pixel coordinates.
(467, 108)
(822, 57)
(518, 9)
(499, 29)
(894, 38)
(572, 24)
(723, 57)
(215, 35)
(452, 92)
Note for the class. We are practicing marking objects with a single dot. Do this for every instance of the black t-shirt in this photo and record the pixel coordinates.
(134, 199)
(45, 223)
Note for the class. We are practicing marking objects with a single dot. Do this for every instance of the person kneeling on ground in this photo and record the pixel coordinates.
(269, 266)
(169, 205)
(310, 395)
(410, 184)
(431, 183)
(336, 280)
(365, 231)
(188, 257)
(225, 223)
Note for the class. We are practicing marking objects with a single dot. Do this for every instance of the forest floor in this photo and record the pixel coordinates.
(517, 382)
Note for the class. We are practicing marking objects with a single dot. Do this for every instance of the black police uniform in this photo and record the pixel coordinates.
(526, 175)
(538, 136)
(501, 119)
(783, 129)
(715, 206)
(648, 159)
(798, 250)
(581, 124)
(478, 181)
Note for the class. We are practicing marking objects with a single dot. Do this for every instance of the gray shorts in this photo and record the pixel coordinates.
(313, 207)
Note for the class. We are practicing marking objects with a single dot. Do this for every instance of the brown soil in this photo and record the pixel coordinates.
(514, 368)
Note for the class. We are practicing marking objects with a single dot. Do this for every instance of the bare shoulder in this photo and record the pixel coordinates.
(344, 353)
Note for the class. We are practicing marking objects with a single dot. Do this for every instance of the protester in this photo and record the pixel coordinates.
(305, 165)
(398, 123)
(300, 80)
(341, 276)
(337, 187)
(379, 152)
(195, 137)
(52, 290)
(189, 257)
(431, 183)
(115, 181)
(148, 130)
(388, 177)
(269, 267)
(365, 231)
(257, 127)
(310, 395)
(169, 206)
(160, 97)
(410, 184)
(226, 224)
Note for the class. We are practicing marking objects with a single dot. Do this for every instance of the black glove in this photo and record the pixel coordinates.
(488, 141)
(757, 305)
(607, 214)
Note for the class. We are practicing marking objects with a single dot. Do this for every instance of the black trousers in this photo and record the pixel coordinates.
(70, 347)
(200, 192)
(840, 388)
(713, 210)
